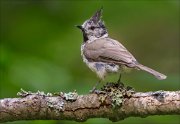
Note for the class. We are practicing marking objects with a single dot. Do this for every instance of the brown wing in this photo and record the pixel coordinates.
(110, 51)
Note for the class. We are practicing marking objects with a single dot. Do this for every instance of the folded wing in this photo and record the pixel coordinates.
(110, 51)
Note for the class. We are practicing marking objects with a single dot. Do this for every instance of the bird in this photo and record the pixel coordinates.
(104, 55)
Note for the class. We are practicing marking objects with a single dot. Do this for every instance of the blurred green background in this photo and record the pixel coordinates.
(40, 47)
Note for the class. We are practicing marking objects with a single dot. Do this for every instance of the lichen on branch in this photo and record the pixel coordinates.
(113, 101)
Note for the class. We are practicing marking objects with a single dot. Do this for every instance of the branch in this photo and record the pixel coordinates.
(113, 102)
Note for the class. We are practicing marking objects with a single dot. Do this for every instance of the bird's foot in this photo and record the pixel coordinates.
(95, 91)
(120, 84)
(94, 88)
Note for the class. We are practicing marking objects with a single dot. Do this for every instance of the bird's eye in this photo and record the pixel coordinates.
(92, 27)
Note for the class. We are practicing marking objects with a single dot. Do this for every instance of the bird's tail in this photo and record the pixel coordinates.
(151, 71)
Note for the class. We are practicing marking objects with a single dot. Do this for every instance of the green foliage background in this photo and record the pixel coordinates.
(40, 47)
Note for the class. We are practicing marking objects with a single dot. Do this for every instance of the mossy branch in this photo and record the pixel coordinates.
(113, 102)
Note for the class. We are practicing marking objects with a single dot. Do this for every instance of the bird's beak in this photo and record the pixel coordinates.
(79, 26)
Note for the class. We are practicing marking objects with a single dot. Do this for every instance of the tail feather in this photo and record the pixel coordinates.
(151, 71)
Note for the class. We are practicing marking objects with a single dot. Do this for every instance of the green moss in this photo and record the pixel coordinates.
(24, 93)
(54, 103)
(117, 92)
(102, 98)
(71, 96)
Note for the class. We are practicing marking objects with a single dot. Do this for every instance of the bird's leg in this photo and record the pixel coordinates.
(119, 80)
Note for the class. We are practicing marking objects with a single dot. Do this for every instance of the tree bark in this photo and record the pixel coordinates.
(71, 106)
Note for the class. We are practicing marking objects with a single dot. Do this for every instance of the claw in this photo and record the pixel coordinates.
(94, 88)
(95, 91)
